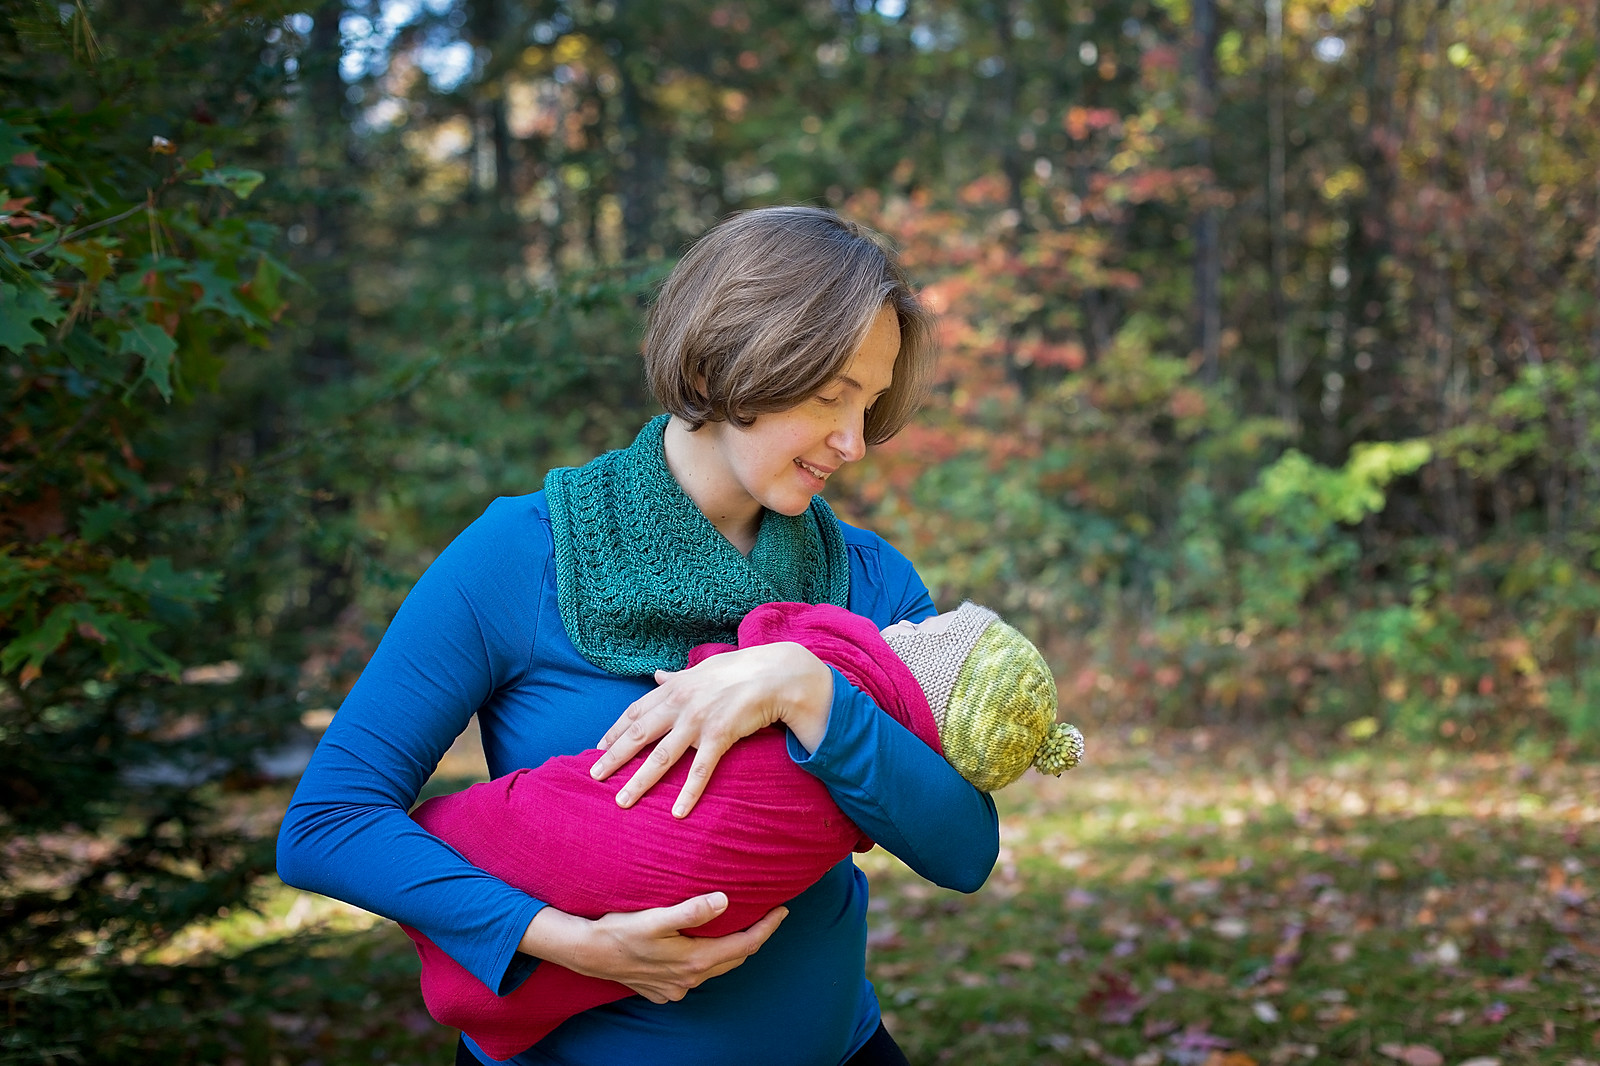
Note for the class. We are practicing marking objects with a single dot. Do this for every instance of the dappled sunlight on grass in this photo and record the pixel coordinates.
(1251, 903)
(1196, 901)
(279, 912)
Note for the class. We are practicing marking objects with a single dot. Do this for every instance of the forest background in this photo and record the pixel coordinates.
(1269, 390)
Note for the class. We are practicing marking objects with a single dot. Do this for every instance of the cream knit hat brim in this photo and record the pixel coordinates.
(935, 659)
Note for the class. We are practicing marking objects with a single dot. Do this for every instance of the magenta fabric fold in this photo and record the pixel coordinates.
(763, 832)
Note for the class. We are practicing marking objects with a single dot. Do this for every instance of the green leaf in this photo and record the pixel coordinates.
(16, 581)
(199, 365)
(156, 578)
(202, 162)
(11, 141)
(128, 646)
(124, 642)
(264, 286)
(33, 647)
(97, 522)
(150, 342)
(241, 181)
(19, 309)
(217, 293)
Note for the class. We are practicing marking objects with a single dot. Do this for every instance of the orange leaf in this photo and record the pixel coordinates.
(1229, 1058)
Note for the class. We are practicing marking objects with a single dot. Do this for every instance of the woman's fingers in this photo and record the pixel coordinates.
(647, 950)
(706, 757)
(619, 727)
(710, 706)
(749, 941)
(671, 964)
(667, 752)
(718, 955)
(692, 913)
(634, 711)
(630, 734)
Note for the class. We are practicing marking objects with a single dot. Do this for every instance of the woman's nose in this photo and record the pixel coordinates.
(850, 439)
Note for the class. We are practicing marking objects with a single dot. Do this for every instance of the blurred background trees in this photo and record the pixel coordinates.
(1269, 388)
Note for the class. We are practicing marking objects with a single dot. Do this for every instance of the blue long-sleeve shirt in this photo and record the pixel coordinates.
(481, 633)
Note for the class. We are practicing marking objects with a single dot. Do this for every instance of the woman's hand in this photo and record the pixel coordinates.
(646, 950)
(710, 706)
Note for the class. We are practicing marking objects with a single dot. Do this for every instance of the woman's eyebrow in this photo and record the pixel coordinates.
(850, 382)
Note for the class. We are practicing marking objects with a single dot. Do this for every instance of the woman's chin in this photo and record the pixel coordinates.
(791, 504)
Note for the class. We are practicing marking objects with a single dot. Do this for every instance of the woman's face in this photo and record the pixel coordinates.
(784, 458)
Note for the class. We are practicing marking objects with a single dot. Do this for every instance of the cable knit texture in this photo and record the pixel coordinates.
(642, 576)
(992, 696)
(1002, 709)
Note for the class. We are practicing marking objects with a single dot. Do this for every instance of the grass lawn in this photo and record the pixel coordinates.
(1192, 899)
(1196, 901)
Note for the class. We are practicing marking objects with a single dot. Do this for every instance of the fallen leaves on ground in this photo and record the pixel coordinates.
(1412, 1054)
(1260, 902)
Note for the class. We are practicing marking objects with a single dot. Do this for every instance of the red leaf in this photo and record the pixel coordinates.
(1112, 999)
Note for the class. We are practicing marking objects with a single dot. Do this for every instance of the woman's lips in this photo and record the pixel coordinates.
(816, 474)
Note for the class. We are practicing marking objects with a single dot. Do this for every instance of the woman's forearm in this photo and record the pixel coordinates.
(903, 794)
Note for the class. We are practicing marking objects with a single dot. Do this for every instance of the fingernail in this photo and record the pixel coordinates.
(624, 798)
(594, 771)
(679, 811)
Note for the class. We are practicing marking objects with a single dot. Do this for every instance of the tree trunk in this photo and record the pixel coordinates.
(643, 173)
(328, 356)
(1289, 369)
(1208, 225)
(1006, 118)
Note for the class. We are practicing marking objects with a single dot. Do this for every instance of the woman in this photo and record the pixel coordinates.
(783, 344)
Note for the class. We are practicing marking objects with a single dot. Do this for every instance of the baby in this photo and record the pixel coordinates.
(969, 685)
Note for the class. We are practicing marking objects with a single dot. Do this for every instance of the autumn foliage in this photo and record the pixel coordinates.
(1269, 390)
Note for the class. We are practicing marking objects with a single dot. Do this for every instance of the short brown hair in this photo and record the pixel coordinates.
(768, 307)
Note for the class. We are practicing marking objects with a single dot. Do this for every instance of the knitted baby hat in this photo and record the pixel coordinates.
(993, 698)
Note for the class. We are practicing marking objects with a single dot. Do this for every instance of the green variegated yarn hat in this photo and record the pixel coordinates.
(992, 696)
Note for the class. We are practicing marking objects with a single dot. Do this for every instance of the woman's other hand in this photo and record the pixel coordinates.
(709, 707)
(646, 950)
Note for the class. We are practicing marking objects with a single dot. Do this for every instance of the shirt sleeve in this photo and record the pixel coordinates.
(902, 793)
(463, 631)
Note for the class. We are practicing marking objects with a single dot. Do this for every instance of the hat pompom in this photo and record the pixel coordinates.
(1062, 749)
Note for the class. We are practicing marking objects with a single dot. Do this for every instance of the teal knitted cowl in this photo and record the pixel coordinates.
(642, 576)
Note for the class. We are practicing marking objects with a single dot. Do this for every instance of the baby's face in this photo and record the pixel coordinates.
(928, 627)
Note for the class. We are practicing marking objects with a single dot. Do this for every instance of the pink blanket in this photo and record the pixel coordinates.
(763, 832)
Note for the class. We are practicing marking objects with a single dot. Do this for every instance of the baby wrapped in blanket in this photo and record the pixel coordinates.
(970, 686)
